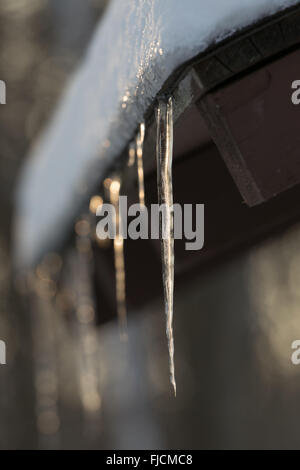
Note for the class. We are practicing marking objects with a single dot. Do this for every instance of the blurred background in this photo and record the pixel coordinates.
(70, 385)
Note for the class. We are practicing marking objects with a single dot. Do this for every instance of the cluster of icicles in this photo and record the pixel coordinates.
(164, 155)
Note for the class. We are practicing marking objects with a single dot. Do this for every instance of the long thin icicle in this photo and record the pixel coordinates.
(114, 190)
(164, 155)
(140, 167)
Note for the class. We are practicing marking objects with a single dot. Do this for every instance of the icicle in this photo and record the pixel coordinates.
(45, 329)
(139, 153)
(164, 155)
(87, 363)
(114, 191)
(131, 154)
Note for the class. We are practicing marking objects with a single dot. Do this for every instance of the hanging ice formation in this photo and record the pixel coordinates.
(140, 168)
(164, 155)
(88, 361)
(114, 192)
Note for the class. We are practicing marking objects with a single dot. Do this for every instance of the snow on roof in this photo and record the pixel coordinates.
(137, 46)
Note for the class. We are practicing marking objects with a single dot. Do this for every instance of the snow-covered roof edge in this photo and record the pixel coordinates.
(137, 46)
